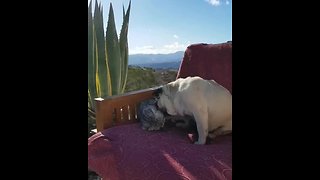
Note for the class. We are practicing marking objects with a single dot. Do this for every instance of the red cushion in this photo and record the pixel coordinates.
(209, 61)
(128, 152)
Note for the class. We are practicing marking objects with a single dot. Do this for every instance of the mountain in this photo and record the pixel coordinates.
(163, 65)
(138, 59)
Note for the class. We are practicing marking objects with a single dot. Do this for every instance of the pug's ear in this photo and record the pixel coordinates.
(171, 89)
(157, 92)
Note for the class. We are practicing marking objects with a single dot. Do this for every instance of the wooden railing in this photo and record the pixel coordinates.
(120, 109)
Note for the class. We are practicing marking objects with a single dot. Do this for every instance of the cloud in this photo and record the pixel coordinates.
(141, 49)
(175, 36)
(214, 2)
(165, 49)
(175, 45)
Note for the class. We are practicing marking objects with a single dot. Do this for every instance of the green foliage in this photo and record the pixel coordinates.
(142, 78)
(107, 55)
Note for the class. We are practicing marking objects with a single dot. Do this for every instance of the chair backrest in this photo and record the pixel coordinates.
(209, 61)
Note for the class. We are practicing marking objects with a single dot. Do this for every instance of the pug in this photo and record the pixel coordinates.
(209, 103)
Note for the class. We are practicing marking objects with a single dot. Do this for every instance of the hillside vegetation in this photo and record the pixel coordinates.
(141, 78)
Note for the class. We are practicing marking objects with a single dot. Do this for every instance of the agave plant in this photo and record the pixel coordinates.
(107, 54)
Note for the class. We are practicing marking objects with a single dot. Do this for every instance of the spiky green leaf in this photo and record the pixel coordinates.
(91, 61)
(123, 11)
(113, 49)
(102, 79)
(124, 47)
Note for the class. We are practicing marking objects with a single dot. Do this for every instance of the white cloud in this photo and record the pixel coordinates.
(227, 2)
(214, 2)
(175, 36)
(142, 49)
(165, 49)
(175, 45)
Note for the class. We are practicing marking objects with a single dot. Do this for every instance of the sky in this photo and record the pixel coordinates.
(167, 26)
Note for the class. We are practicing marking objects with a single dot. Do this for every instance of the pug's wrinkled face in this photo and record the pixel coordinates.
(165, 104)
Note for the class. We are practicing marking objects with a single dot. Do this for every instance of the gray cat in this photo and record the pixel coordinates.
(151, 118)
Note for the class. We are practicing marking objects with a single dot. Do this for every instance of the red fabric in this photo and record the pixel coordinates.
(128, 152)
(209, 61)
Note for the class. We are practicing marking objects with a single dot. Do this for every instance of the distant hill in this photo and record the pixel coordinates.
(164, 65)
(135, 59)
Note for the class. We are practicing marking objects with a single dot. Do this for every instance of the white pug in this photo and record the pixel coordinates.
(208, 102)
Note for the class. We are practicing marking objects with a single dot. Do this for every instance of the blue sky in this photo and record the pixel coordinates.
(167, 26)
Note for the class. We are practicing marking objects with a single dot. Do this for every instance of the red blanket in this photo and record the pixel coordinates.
(128, 152)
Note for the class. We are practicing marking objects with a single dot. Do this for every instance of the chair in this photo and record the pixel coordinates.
(122, 150)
